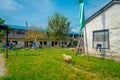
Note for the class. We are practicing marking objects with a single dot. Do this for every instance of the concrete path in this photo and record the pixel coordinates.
(2, 65)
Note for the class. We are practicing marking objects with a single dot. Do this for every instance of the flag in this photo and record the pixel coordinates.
(81, 15)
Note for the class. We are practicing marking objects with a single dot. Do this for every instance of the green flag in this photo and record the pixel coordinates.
(81, 15)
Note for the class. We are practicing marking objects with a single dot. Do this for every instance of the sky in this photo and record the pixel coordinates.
(36, 12)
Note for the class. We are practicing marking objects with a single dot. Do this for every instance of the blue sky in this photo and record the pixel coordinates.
(36, 12)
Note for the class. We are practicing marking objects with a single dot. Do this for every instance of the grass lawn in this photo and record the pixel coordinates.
(48, 64)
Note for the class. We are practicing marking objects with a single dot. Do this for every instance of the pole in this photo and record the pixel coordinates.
(86, 43)
(7, 42)
(26, 24)
(78, 44)
(26, 35)
(82, 23)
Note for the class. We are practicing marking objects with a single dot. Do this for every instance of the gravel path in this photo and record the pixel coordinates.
(2, 65)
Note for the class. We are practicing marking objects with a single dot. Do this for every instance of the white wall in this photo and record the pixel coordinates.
(37, 43)
(109, 19)
(49, 43)
(20, 44)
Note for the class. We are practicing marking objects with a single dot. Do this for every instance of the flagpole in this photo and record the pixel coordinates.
(86, 43)
(86, 38)
(82, 23)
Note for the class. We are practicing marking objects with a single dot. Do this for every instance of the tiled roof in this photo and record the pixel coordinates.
(72, 32)
(43, 29)
(2, 26)
(17, 27)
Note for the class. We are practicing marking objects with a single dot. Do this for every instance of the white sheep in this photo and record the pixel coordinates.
(67, 58)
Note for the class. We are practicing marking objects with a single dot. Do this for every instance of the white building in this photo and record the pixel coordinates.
(23, 38)
(103, 31)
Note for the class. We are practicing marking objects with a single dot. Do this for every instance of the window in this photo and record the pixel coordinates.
(101, 37)
(65, 43)
(15, 42)
(23, 32)
(31, 42)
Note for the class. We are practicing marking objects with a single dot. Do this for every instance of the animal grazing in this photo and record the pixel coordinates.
(67, 58)
(72, 49)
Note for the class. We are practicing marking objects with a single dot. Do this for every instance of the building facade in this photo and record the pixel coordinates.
(25, 38)
(103, 30)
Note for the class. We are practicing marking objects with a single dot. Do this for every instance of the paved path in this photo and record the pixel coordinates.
(2, 65)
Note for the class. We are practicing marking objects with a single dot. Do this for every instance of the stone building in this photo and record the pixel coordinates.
(23, 37)
(103, 31)
(16, 35)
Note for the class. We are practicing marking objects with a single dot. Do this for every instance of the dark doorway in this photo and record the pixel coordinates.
(56, 43)
(40, 46)
(26, 44)
(52, 43)
(45, 42)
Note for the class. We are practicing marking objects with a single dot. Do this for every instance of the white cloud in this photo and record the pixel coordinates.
(75, 29)
(9, 5)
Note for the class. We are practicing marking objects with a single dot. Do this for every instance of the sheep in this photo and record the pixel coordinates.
(67, 58)
(72, 49)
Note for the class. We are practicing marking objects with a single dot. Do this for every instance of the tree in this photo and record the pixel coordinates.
(58, 27)
(2, 32)
(35, 33)
(1, 21)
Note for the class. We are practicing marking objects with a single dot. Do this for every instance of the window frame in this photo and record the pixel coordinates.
(108, 41)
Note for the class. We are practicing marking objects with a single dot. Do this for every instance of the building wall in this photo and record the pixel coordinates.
(49, 43)
(21, 44)
(37, 44)
(25, 38)
(108, 19)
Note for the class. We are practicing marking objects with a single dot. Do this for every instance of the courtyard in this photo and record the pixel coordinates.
(48, 64)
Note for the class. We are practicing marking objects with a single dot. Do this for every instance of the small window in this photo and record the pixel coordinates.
(65, 43)
(31, 41)
(15, 42)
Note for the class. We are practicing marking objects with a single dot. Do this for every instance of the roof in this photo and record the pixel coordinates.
(17, 27)
(102, 9)
(37, 28)
(3, 26)
(72, 32)
(43, 29)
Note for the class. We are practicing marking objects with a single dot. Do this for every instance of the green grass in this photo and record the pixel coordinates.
(48, 64)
